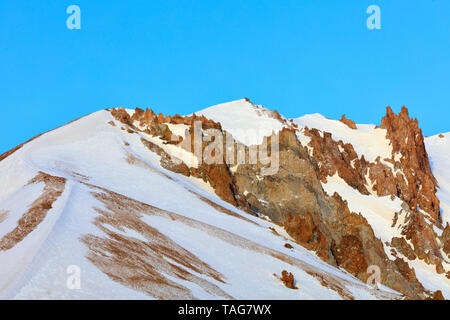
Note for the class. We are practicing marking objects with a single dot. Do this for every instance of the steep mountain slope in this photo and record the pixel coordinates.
(131, 199)
(389, 181)
(94, 196)
(382, 173)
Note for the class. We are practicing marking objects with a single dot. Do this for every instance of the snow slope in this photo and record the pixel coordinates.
(247, 123)
(138, 231)
(380, 213)
(438, 149)
(378, 146)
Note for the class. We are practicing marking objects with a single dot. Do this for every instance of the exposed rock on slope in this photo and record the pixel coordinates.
(54, 187)
(336, 157)
(349, 123)
(292, 196)
(356, 206)
(216, 174)
(445, 240)
(288, 279)
(406, 174)
(417, 185)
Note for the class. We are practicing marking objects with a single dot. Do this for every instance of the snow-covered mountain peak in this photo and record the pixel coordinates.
(247, 122)
(105, 194)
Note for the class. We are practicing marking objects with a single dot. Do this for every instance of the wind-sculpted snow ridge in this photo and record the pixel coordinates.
(218, 205)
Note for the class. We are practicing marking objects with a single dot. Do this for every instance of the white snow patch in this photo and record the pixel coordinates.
(247, 123)
(178, 129)
(366, 140)
(379, 211)
(439, 155)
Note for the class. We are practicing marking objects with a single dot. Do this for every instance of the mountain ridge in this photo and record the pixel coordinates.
(142, 135)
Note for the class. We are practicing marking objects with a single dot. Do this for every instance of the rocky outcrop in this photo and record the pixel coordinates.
(216, 174)
(406, 175)
(407, 272)
(423, 239)
(37, 211)
(403, 247)
(295, 198)
(120, 114)
(408, 142)
(349, 123)
(336, 157)
(445, 240)
(437, 295)
(288, 279)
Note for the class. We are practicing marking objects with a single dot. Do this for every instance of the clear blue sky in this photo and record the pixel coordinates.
(296, 56)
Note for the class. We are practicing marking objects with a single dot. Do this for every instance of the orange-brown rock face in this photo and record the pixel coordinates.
(445, 240)
(309, 234)
(288, 279)
(423, 238)
(337, 157)
(405, 270)
(350, 255)
(437, 295)
(403, 247)
(216, 174)
(294, 197)
(407, 140)
(413, 181)
(406, 175)
(121, 115)
(349, 123)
